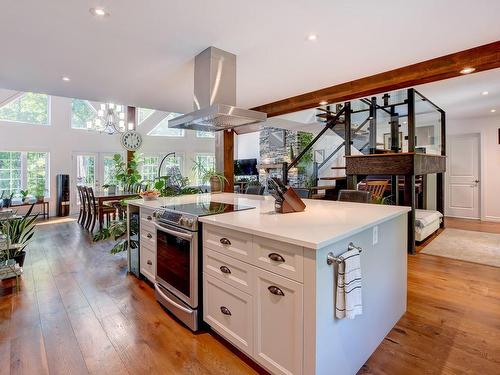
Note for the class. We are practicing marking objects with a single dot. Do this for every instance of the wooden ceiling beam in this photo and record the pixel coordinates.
(481, 58)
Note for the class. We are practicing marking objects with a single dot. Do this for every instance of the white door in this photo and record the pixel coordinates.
(462, 176)
(91, 169)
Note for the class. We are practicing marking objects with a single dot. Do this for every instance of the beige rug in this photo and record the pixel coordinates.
(477, 247)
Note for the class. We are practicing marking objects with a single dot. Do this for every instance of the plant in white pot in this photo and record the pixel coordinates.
(210, 175)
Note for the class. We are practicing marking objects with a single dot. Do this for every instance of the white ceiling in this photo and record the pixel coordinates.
(461, 97)
(143, 53)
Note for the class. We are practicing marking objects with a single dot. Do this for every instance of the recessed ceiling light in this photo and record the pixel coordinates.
(485, 93)
(100, 12)
(467, 70)
(493, 110)
(323, 102)
(312, 37)
(66, 79)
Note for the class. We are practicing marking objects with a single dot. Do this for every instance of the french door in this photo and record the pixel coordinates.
(92, 169)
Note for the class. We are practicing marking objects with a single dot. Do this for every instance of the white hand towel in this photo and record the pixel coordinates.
(349, 302)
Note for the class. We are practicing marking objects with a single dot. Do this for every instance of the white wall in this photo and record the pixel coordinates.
(247, 146)
(490, 179)
(61, 141)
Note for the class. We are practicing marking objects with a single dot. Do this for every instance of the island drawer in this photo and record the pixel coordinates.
(148, 264)
(229, 270)
(229, 312)
(229, 242)
(278, 257)
(148, 236)
(147, 217)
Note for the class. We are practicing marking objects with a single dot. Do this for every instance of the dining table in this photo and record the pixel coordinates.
(104, 198)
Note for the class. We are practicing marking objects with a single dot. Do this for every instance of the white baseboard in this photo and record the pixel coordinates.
(462, 217)
(491, 218)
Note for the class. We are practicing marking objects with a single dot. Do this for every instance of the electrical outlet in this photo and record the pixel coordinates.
(375, 234)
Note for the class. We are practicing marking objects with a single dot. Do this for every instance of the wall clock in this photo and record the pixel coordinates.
(131, 140)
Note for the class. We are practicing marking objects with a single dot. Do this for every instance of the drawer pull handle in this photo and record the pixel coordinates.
(275, 290)
(225, 241)
(225, 310)
(149, 235)
(276, 257)
(149, 262)
(225, 269)
(149, 218)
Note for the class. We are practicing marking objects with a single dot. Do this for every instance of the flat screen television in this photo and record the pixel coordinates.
(245, 167)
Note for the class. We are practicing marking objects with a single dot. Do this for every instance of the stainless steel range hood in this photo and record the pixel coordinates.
(215, 97)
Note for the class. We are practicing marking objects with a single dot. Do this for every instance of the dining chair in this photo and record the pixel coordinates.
(376, 188)
(81, 216)
(255, 189)
(357, 196)
(95, 209)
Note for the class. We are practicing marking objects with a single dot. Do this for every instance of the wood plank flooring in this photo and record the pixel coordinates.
(79, 312)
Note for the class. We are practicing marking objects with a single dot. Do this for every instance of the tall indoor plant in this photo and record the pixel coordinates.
(210, 175)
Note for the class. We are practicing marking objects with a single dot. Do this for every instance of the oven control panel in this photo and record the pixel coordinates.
(175, 218)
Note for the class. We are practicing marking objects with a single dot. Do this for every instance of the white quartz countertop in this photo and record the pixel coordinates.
(321, 224)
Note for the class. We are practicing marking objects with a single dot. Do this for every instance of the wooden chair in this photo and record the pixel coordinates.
(376, 188)
(93, 210)
(357, 196)
(83, 213)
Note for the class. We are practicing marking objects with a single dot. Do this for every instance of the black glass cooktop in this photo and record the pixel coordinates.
(206, 208)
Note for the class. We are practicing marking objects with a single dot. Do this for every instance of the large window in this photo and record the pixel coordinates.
(162, 129)
(28, 107)
(150, 164)
(81, 112)
(10, 172)
(149, 167)
(143, 114)
(24, 171)
(206, 162)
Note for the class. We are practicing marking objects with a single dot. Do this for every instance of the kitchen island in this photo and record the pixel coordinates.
(267, 287)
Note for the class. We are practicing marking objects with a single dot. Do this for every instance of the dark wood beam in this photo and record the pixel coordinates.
(481, 58)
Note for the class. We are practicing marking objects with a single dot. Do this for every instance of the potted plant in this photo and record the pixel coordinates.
(111, 188)
(7, 202)
(127, 175)
(210, 175)
(18, 232)
(24, 195)
(40, 191)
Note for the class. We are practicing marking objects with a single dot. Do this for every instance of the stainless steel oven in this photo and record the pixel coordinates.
(178, 257)
(177, 277)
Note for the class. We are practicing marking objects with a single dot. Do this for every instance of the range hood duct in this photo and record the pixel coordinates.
(215, 97)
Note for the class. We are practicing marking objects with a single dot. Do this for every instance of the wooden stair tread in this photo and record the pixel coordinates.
(338, 168)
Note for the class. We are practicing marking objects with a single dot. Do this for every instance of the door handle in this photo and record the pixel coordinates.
(225, 310)
(275, 290)
(276, 257)
(225, 269)
(225, 241)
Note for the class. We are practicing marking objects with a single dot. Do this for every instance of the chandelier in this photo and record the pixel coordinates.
(110, 119)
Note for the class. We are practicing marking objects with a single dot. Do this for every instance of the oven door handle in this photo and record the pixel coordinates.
(170, 300)
(186, 236)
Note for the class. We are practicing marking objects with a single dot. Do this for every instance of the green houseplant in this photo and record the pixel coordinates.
(19, 232)
(24, 195)
(40, 191)
(125, 174)
(210, 175)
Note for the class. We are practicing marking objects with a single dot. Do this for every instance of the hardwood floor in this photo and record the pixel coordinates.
(79, 312)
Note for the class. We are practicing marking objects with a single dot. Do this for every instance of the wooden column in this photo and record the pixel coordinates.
(131, 119)
(224, 157)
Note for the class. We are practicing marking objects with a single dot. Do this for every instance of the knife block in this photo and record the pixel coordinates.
(291, 203)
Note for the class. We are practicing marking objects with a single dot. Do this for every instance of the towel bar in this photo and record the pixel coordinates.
(330, 258)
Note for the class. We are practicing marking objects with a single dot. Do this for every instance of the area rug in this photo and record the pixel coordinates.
(477, 247)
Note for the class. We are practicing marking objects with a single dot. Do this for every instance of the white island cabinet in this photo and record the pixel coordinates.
(268, 290)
